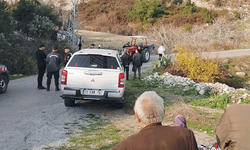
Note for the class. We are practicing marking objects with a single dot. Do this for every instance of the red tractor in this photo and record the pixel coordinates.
(142, 47)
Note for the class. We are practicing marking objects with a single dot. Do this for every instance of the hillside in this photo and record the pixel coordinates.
(210, 26)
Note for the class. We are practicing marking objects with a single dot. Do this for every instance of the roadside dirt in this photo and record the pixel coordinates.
(121, 119)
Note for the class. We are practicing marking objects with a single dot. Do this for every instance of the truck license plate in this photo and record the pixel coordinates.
(92, 92)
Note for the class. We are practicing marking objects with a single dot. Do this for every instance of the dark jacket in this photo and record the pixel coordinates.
(67, 57)
(158, 137)
(40, 57)
(126, 45)
(126, 59)
(137, 60)
(53, 60)
(233, 129)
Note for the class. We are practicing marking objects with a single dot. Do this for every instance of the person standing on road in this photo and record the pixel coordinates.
(161, 51)
(80, 42)
(126, 59)
(137, 63)
(53, 60)
(41, 64)
(68, 55)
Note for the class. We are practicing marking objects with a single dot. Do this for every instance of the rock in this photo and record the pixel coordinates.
(241, 74)
(201, 92)
(237, 68)
(225, 61)
(184, 84)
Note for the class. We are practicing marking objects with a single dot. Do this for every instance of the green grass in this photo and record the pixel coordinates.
(14, 77)
(215, 101)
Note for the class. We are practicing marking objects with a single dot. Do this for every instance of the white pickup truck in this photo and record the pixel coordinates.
(93, 74)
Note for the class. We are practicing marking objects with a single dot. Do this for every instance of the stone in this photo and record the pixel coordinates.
(241, 74)
(201, 92)
(236, 68)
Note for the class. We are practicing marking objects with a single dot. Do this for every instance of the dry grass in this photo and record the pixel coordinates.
(218, 36)
(187, 111)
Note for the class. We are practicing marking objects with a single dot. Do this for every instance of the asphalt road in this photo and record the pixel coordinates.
(30, 118)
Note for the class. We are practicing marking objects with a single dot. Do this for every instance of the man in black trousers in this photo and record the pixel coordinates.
(41, 64)
(54, 59)
(126, 59)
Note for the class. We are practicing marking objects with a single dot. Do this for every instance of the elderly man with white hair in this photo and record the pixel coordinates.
(149, 111)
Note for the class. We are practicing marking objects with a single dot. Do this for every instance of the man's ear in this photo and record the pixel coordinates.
(138, 119)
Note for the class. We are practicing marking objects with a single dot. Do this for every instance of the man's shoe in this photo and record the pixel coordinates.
(41, 87)
(57, 89)
(48, 89)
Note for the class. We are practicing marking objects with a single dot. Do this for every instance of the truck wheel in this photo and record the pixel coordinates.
(145, 55)
(69, 102)
(3, 84)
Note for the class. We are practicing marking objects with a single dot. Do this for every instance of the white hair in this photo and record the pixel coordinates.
(149, 107)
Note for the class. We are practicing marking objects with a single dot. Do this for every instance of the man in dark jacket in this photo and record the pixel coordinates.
(126, 59)
(41, 64)
(149, 111)
(137, 63)
(68, 55)
(126, 45)
(54, 60)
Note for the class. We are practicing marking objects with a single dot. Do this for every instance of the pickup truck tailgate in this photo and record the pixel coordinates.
(93, 79)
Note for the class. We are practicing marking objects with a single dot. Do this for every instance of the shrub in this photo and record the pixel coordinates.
(236, 15)
(177, 2)
(187, 27)
(198, 69)
(188, 8)
(161, 65)
(147, 11)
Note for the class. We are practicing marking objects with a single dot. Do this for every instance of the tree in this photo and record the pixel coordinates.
(41, 27)
(147, 11)
(7, 22)
(24, 13)
(47, 11)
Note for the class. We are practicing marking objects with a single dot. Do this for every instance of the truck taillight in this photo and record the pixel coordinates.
(64, 77)
(121, 80)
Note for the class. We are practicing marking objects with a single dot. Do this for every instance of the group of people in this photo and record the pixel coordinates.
(80, 42)
(232, 131)
(137, 63)
(52, 61)
(137, 60)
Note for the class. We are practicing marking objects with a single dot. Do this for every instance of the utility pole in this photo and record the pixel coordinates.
(72, 31)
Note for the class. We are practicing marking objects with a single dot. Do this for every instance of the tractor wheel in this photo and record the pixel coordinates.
(145, 55)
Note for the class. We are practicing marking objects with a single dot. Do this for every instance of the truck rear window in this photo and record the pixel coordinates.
(94, 61)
